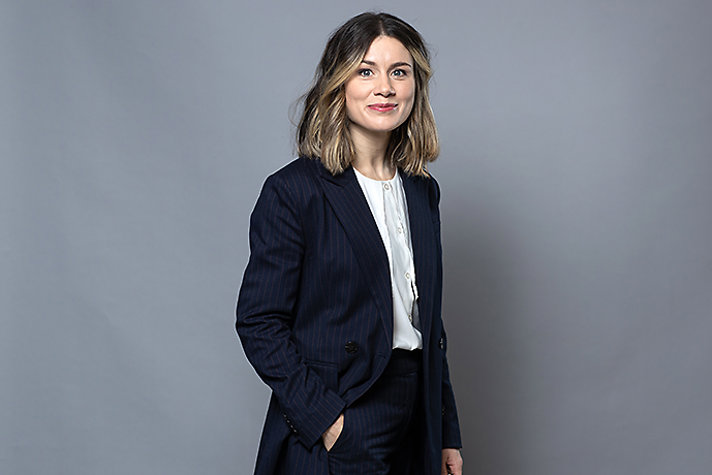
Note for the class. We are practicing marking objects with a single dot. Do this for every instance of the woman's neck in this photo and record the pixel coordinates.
(370, 157)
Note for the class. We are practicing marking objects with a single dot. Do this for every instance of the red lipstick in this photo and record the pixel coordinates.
(382, 107)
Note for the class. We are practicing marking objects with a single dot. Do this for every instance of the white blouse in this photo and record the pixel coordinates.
(389, 208)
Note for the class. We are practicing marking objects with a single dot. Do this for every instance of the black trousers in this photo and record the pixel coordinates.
(381, 434)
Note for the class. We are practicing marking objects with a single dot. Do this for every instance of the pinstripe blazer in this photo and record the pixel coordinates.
(315, 311)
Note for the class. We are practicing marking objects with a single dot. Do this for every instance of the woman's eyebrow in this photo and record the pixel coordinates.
(394, 65)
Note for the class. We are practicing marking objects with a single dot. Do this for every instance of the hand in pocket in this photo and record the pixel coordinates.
(332, 433)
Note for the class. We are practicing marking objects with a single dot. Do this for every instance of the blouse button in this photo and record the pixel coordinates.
(386, 186)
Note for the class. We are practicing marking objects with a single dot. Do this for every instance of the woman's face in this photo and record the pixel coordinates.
(380, 95)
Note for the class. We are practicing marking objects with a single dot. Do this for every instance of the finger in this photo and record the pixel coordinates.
(456, 467)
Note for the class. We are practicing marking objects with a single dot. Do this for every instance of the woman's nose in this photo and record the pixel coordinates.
(384, 88)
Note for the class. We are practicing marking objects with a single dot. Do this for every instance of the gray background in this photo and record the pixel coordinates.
(576, 170)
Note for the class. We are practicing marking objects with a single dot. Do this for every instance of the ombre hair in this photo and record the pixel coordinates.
(323, 132)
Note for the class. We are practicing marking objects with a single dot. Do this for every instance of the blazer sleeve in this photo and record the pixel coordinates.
(451, 425)
(450, 422)
(265, 314)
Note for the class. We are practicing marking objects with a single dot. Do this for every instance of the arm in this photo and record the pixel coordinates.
(265, 314)
(450, 425)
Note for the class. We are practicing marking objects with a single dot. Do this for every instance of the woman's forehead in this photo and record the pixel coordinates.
(386, 49)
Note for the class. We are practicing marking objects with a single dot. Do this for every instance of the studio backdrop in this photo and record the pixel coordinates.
(576, 176)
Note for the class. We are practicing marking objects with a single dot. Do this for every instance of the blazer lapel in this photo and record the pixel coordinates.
(351, 208)
(424, 247)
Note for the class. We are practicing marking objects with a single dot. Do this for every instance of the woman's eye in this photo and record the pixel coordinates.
(400, 73)
(365, 72)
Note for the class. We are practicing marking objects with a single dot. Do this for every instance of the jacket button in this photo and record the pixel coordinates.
(351, 347)
(289, 423)
(441, 343)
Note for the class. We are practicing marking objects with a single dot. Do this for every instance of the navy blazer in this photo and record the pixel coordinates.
(315, 311)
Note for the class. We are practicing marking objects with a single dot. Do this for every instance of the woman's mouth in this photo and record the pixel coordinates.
(383, 107)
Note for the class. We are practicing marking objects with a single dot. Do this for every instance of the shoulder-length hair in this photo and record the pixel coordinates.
(323, 132)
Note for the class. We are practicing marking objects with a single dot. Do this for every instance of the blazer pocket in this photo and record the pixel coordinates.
(328, 372)
(339, 440)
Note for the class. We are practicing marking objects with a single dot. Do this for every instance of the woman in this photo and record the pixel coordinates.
(339, 309)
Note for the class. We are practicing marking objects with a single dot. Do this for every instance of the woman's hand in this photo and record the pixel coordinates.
(452, 462)
(332, 433)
